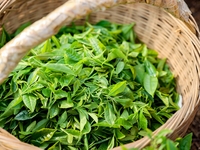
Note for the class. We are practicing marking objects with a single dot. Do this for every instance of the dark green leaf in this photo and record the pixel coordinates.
(41, 124)
(63, 118)
(163, 97)
(10, 107)
(119, 134)
(185, 143)
(54, 147)
(24, 115)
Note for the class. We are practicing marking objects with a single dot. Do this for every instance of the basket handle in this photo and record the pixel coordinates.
(38, 32)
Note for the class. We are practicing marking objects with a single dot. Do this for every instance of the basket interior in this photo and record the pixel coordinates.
(162, 35)
(158, 32)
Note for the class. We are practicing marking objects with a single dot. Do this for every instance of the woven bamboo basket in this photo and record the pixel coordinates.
(164, 25)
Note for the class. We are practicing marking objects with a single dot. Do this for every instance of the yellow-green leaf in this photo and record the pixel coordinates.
(117, 88)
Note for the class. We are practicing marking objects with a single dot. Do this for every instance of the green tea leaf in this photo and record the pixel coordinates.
(63, 118)
(109, 114)
(59, 94)
(31, 126)
(142, 121)
(161, 64)
(185, 143)
(87, 128)
(72, 132)
(119, 54)
(43, 135)
(96, 45)
(171, 145)
(11, 106)
(47, 46)
(24, 115)
(157, 117)
(94, 117)
(117, 88)
(124, 123)
(150, 84)
(140, 72)
(54, 147)
(83, 118)
(54, 111)
(124, 102)
(128, 33)
(73, 55)
(76, 86)
(56, 41)
(41, 124)
(144, 51)
(150, 68)
(163, 97)
(33, 77)
(86, 146)
(120, 67)
(119, 134)
(46, 92)
(111, 143)
(30, 101)
(59, 68)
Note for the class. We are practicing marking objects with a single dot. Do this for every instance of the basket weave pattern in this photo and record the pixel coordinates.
(156, 27)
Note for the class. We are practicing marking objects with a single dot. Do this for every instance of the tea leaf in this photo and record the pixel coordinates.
(117, 88)
(109, 114)
(30, 101)
(150, 84)
(185, 143)
(59, 68)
